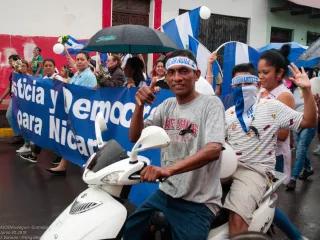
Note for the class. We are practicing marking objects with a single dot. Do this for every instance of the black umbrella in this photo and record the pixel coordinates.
(130, 39)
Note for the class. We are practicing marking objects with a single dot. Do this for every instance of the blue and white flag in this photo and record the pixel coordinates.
(73, 45)
(202, 55)
(183, 25)
(236, 53)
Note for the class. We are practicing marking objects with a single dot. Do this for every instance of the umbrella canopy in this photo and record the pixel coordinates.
(294, 46)
(295, 52)
(296, 49)
(130, 38)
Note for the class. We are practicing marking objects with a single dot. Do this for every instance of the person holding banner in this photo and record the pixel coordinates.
(25, 69)
(66, 73)
(49, 66)
(190, 194)
(9, 114)
(83, 77)
(251, 129)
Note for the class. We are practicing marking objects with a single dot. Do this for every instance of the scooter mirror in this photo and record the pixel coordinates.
(100, 126)
(229, 162)
(151, 137)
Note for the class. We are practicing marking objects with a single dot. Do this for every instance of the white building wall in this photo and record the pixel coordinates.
(83, 18)
(255, 10)
(79, 18)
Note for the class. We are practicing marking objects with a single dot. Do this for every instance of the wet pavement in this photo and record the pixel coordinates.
(303, 205)
(31, 198)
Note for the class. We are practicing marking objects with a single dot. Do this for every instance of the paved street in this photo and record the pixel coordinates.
(30, 198)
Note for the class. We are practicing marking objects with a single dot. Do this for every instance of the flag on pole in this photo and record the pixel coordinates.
(73, 45)
(202, 55)
(179, 28)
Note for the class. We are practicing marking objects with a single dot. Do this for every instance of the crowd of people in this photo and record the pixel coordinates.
(266, 114)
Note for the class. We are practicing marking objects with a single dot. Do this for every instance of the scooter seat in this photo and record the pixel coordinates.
(159, 221)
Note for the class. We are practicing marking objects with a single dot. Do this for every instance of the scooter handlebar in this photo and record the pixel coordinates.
(138, 177)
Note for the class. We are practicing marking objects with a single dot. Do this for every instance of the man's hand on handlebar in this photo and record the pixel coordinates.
(154, 173)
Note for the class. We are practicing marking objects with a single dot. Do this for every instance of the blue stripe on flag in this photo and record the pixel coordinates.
(193, 45)
(194, 16)
(253, 56)
(228, 64)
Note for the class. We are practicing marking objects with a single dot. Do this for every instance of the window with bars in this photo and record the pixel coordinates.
(281, 35)
(219, 29)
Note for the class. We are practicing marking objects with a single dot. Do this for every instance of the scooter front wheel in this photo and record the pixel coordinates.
(251, 236)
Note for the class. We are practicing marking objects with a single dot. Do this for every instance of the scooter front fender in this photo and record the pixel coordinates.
(94, 214)
(262, 218)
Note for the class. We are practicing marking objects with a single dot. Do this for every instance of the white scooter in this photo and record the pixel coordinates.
(99, 212)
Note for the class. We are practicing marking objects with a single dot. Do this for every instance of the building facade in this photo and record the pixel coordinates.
(82, 19)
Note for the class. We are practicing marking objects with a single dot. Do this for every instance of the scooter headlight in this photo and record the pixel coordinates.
(112, 178)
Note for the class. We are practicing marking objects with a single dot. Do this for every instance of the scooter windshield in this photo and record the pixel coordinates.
(110, 153)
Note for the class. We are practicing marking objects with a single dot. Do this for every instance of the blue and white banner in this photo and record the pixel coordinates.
(179, 28)
(236, 53)
(61, 117)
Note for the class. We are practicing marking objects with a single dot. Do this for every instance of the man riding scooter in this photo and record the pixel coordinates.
(190, 195)
(251, 128)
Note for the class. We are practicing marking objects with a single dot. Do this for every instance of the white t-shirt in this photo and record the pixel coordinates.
(255, 151)
(203, 86)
